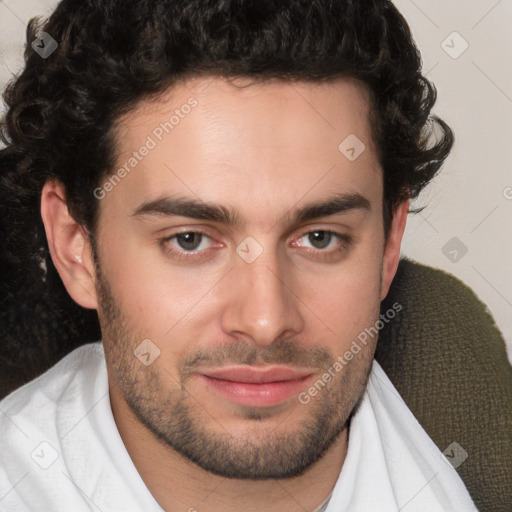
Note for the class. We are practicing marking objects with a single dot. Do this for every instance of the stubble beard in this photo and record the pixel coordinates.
(176, 419)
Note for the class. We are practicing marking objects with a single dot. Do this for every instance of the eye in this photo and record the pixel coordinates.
(196, 244)
(320, 239)
(324, 243)
(189, 241)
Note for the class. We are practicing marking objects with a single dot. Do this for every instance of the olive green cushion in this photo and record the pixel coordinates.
(448, 360)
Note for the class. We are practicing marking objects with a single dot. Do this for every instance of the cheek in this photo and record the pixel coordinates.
(348, 304)
(157, 297)
(346, 298)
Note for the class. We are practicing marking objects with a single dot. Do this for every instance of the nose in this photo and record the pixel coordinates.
(261, 305)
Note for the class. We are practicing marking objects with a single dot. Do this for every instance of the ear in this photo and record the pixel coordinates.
(392, 249)
(69, 245)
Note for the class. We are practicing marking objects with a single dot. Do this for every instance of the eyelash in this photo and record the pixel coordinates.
(345, 242)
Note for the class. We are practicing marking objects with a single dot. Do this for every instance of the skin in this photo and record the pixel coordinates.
(263, 150)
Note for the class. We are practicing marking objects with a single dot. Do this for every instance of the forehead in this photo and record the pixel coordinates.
(214, 139)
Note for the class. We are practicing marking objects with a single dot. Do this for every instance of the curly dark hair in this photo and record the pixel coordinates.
(113, 53)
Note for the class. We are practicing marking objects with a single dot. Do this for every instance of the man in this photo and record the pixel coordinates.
(227, 184)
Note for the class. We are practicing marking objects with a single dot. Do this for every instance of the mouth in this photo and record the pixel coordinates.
(262, 387)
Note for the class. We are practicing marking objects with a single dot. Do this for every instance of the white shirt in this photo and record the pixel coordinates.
(60, 450)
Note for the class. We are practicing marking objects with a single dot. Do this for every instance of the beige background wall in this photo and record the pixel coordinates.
(472, 197)
(466, 228)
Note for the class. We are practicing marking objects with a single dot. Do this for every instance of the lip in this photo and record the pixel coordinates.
(240, 373)
(256, 387)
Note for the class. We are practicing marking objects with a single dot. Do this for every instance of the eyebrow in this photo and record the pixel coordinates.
(196, 209)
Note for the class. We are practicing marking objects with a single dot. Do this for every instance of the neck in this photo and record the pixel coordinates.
(176, 483)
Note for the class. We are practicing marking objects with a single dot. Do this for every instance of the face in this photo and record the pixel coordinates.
(239, 256)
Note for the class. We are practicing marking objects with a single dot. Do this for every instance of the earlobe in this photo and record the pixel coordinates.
(69, 245)
(392, 249)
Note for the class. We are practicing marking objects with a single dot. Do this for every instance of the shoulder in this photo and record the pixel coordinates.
(57, 383)
(32, 417)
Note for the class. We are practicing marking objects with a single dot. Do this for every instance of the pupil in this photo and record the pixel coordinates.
(320, 239)
(189, 241)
